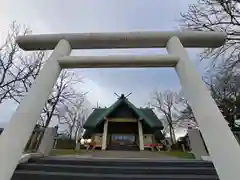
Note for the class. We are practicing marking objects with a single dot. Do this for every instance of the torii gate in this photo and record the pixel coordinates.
(225, 156)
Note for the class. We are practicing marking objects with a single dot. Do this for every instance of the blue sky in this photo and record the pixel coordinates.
(54, 16)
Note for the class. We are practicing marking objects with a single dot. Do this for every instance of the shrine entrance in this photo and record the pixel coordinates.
(211, 122)
(123, 139)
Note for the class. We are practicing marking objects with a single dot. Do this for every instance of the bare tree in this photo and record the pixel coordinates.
(166, 103)
(63, 94)
(217, 15)
(14, 66)
(220, 15)
(225, 89)
(18, 71)
(33, 63)
(187, 112)
(186, 117)
(73, 115)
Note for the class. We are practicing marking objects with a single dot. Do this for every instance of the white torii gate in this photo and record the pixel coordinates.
(225, 154)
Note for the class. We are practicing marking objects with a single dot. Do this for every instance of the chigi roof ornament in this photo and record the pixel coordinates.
(122, 95)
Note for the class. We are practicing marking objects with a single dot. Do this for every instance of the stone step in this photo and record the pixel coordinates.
(66, 168)
(42, 175)
(118, 170)
(123, 162)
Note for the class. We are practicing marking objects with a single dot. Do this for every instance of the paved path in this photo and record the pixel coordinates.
(124, 155)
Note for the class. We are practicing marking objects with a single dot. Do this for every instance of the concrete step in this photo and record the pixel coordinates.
(42, 175)
(123, 162)
(118, 170)
(63, 168)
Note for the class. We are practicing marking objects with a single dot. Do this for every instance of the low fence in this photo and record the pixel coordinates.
(41, 137)
(34, 140)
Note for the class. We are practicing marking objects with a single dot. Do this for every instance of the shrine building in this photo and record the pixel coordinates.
(123, 126)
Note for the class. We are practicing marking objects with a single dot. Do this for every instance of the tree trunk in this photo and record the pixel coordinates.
(76, 133)
(70, 132)
(174, 136)
(171, 134)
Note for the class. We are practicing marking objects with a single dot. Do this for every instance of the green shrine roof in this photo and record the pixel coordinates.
(146, 114)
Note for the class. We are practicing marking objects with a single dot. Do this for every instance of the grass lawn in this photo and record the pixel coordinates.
(179, 154)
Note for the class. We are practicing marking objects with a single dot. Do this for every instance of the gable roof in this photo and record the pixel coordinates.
(146, 114)
(92, 119)
(153, 120)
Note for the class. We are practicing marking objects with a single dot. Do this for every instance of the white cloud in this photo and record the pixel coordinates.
(97, 94)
